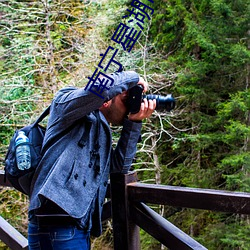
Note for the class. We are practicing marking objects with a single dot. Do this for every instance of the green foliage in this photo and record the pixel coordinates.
(206, 43)
(222, 235)
(148, 242)
(42, 47)
(198, 50)
(14, 208)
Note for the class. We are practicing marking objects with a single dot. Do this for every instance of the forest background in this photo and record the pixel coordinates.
(197, 50)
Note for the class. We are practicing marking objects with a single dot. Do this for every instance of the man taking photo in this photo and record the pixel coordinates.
(70, 183)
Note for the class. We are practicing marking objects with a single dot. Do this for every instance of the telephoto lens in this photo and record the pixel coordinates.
(162, 102)
(135, 98)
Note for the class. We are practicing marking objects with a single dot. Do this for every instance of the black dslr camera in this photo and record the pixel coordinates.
(135, 98)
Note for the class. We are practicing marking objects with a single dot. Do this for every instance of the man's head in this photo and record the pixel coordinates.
(115, 110)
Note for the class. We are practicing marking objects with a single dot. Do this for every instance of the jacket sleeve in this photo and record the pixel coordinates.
(72, 104)
(124, 153)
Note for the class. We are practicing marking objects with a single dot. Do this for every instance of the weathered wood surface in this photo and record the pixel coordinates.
(162, 230)
(11, 237)
(126, 233)
(129, 212)
(207, 199)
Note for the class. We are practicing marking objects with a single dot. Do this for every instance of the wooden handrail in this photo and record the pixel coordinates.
(208, 199)
(161, 229)
(129, 212)
(134, 194)
(11, 237)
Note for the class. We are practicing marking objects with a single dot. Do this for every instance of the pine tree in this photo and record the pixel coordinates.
(206, 44)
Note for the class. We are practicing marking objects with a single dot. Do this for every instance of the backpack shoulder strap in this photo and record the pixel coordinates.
(43, 115)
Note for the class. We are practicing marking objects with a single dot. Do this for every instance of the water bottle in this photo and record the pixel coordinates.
(23, 156)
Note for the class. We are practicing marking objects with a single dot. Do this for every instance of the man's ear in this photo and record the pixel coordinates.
(105, 105)
(104, 109)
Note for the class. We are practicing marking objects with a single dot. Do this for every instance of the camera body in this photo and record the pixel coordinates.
(135, 97)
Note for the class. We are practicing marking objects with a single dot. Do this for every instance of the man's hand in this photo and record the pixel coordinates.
(144, 84)
(147, 108)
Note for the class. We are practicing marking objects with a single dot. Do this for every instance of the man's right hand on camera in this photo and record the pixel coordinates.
(144, 84)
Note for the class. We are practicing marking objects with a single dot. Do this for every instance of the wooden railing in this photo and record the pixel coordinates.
(129, 212)
(8, 234)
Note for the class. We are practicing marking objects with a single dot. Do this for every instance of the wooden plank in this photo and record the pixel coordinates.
(161, 229)
(2, 181)
(208, 199)
(11, 237)
(125, 231)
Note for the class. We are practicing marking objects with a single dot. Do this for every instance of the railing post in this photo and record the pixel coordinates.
(125, 231)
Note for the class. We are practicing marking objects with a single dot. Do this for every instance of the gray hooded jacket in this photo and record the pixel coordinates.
(67, 174)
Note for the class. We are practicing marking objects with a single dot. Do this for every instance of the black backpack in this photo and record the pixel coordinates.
(21, 179)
